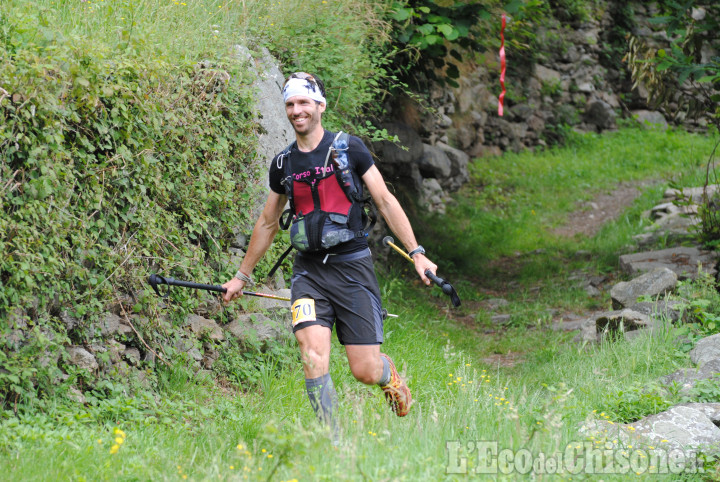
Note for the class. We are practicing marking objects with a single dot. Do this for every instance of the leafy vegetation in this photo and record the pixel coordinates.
(187, 425)
(682, 77)
(345, 43)
(514, 202)
(426, 32)
(125, 150)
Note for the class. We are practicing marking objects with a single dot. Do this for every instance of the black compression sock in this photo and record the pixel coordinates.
(385, 378)
(323, 398)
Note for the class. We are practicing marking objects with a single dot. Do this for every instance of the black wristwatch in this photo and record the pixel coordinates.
(418, 250)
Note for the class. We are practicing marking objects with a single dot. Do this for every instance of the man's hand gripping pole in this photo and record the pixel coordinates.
(443, 284)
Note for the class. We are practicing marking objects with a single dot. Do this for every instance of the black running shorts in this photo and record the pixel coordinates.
(343, 289)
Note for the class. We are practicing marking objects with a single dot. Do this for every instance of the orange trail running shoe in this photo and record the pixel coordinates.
(397, 392)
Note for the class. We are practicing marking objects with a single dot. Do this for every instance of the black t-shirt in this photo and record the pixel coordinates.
(308, 165)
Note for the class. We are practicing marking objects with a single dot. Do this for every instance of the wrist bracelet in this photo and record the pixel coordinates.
(418, 250)
(243, 277)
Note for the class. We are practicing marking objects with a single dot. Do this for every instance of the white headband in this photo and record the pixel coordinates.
(302, 87)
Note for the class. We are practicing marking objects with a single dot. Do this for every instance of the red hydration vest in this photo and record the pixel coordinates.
(320, 208)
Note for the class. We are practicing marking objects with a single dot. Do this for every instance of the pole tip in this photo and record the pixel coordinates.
(388, 240)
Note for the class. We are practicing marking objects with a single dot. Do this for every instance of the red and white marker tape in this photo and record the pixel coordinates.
(501, 98)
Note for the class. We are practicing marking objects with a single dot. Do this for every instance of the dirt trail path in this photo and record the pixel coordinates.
(587, 220)
(594, 214)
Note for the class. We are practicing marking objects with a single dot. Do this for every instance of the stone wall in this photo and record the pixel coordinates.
(579, 80)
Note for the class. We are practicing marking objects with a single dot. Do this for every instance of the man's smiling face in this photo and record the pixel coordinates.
(303, 113)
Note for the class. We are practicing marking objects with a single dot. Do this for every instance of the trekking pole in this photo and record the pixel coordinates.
(446, 287)
(155, 280)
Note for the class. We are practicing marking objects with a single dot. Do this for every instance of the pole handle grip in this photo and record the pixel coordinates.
(446, 287)
(435, 279)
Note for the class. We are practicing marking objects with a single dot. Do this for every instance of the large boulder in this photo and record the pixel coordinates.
(600, 114)
(434, 163)
(670, 310)
(622, 321)
(674, 229)
(693, 195)
(706, 350)
(650, 119)
(654, 283)
(255, 327)
(408, 150)
(625, 323)
(689, 425)
(275, 131)
(683, 261)
(686, 378)
(82, 358)
(684, 429)
(458, 167)
(201, 326)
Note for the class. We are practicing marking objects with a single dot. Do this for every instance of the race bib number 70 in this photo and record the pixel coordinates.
(303, 310)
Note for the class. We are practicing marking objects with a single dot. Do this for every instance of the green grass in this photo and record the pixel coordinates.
(349, 55)
(194, 430)
(514, 201)
(188, 427)
(182, 426)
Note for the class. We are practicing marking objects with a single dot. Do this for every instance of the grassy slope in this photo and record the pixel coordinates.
(194, 430)
(189, 428)
(512, 203)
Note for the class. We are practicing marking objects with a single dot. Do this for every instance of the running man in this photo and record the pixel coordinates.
(333, 281)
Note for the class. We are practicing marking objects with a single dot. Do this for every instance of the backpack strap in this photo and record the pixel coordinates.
(279, 261)
(334, 146)
(284, 154)
(283, 162)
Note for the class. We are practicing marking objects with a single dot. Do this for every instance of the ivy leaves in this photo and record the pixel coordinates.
(428, 28)
(437, 29)
(113, 164)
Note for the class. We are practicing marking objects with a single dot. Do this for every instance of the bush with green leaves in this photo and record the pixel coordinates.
(428, 32)
(701, 302)
(346, 44)
(126, 151)
(636, 402)
(114, 165)
(682, 77)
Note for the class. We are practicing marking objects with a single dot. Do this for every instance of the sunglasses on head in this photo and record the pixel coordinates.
(303, 76)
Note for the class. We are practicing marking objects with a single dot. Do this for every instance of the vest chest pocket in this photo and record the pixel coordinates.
(319, 230)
